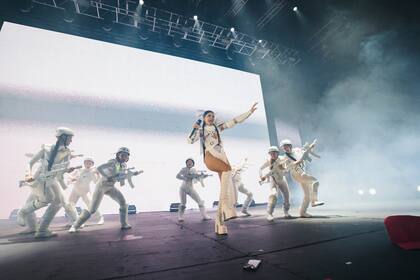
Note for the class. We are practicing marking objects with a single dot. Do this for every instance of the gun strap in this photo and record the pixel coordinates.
(291, 157)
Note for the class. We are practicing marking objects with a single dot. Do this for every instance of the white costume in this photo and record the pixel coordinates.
(189, 176)
(81, 188)
(278, 184)
(110, 172)
(216, 160)
(47, 190)
(240, 187)
(308, 182)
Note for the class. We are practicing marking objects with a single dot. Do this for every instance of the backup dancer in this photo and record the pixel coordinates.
(82, 179)
(209, 134)
(189, 176)
(278, 182)
(295, 163)
(115, 170)
(47, 184)
(240, 187)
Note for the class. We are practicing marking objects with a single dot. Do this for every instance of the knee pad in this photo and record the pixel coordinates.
(182, 207)
(124, 208)
(272, 199)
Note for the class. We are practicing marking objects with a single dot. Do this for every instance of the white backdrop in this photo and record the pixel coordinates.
(112, 96)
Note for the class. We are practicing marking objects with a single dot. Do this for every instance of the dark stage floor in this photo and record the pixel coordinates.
(334, 245)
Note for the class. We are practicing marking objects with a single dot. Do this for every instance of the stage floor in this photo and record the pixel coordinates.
(333, 245)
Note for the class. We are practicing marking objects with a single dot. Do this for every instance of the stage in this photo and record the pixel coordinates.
(333, 245)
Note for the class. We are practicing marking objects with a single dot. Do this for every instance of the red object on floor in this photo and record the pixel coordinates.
(404, 231)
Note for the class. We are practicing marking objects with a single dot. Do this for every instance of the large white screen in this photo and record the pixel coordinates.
(112, 96)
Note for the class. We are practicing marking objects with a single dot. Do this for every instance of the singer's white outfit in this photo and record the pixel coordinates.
(216, 160)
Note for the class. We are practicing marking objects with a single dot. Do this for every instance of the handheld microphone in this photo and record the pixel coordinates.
(198, 122)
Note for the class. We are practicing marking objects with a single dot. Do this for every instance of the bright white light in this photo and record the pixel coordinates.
(361, 192)
(141, 2)
(195, 17)
(418, 188)
(260, 41)
(232, 29)
(372, 191)
(295, 9)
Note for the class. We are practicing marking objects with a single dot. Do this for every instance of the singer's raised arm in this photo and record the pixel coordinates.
(195, 133)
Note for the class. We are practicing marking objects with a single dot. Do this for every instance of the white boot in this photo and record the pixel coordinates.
(245, 212)
(101, 220)
(305, 215)
(124, 218)
(181, 211)
(84, 216)
(21, 218)
(204, 214)
(270, 217)
(43, 231)
(317, 203)
(287, 215)
(45, 234)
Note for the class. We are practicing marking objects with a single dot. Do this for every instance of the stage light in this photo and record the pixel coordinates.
(141, 2)
(295, 9)
(361, 192)
(195, 17)
(372, 191)
(260, 41)
(25, 6)
(232, 29)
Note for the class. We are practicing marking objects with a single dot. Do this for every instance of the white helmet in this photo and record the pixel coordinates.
(285, 142)
(273, 149)
(63, 131)
(89, 159)
(123, 150)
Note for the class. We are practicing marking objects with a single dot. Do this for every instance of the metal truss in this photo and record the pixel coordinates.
(149, 19)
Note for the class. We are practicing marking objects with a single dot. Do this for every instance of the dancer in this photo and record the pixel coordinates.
(295, 163)
(115, 170)
(216, 160)
(81, 186)
(189, 176)
(240, 187)
(46, 185)
(278, 182)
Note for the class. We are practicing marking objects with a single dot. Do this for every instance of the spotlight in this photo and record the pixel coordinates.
(232, 29)
(195, 17)
(295, 9)
(69, 11)
(361, 192)
(25, 6)
(372, 191)
(260, 41)
(141, 2)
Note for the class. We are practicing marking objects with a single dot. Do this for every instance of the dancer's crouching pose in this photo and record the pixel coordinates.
(113, 171)
(295, 163)
(189, 175)
(278, 182)
(216, 160)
